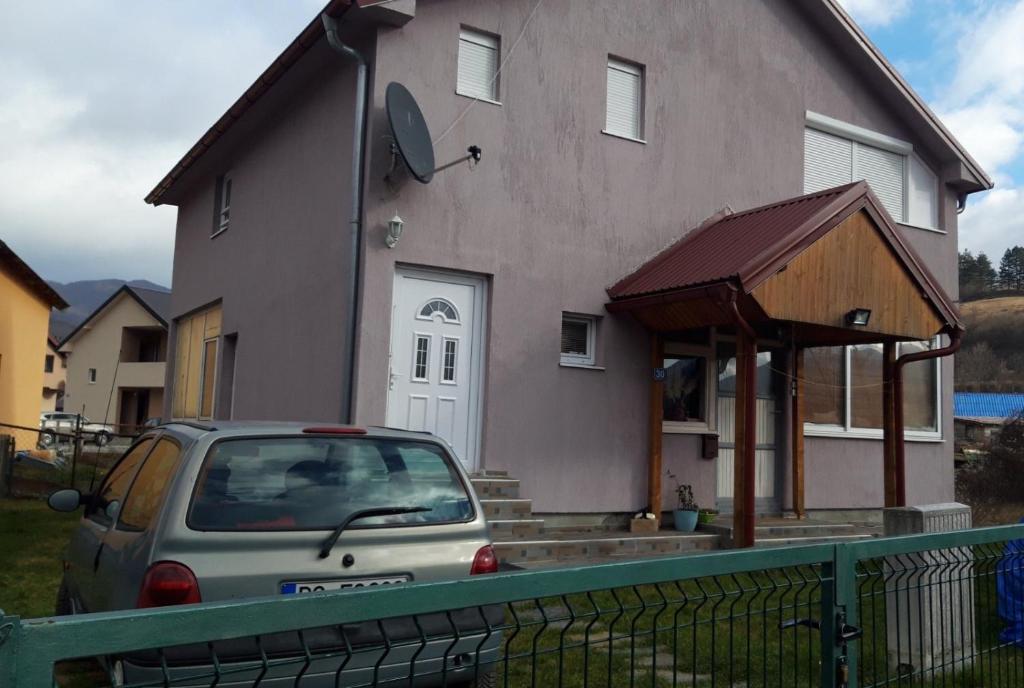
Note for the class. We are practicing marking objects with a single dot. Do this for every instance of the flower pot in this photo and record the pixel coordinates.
(685, 521)
(706, 517)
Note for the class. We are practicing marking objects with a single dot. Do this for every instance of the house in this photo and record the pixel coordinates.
(25, 303)
(117, 357)
(525, 307)
(55, 367)
(979, 415)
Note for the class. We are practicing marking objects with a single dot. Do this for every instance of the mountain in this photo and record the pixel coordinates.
(84, 297)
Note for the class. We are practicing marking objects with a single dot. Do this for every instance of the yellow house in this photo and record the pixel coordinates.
(25, 303)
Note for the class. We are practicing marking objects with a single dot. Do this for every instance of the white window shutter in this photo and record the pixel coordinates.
(883, 171)
(923, 195)
(625, 99)
(828, 161)
(478, 65)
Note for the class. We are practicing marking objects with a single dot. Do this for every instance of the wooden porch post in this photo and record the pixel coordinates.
(746, 440)
(889, 434)
(797, 418)
(656, 413)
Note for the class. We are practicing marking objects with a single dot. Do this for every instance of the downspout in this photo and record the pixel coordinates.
(331, 29)
(749, 422)
(897, 388)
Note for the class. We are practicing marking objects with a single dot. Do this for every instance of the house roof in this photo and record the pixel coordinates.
(750, 246)
(987, 405)
(156, 303)
(28, 277)
(310, 35)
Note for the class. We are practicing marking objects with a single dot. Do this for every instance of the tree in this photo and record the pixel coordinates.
(986, 274)
(977, 276)
(1011, 269)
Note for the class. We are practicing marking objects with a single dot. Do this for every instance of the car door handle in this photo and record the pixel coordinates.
(96, 560)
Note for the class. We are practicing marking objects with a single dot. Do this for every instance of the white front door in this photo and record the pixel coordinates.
(435, 369)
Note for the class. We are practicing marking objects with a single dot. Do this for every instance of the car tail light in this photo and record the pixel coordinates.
(485, 561)
(168, 583)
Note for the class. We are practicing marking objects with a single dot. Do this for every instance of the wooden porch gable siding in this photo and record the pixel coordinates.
(851, 267)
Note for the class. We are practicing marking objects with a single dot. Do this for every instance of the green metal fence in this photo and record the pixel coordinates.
(909, 611)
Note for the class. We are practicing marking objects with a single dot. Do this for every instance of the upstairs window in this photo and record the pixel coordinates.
(837, 153)
(223, 215)
(578, 338)
(478, 65)
(48, 364)
(625, 106)
(92, 376)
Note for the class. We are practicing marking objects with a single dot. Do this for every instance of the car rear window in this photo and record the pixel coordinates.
(315, 483)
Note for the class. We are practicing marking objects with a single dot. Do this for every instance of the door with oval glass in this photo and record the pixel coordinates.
(434, 380)
(767, 486)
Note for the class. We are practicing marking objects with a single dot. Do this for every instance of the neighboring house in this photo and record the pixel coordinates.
(979, 415)
(55, 368)
(611, 132)
(25, 303)
(117, 359)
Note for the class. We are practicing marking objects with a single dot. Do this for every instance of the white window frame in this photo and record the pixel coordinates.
(416, 337)
(487, 40)
(638, 70)
(222, 223)
(849, 432)
(202, 379)
(589, 360)
(860, 135)
(455, 363)
(710, 421)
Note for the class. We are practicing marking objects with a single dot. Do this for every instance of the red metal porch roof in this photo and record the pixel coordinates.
(749, 246)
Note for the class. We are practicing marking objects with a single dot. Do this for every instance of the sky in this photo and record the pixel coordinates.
(102, 97)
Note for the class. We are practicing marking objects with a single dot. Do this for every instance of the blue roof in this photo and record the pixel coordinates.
(987, 405)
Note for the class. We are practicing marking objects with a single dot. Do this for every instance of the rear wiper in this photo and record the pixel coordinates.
(325, 549)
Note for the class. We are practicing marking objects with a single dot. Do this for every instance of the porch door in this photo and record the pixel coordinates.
(434, 381)
(766, 487)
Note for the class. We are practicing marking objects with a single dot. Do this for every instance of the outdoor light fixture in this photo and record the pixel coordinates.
(395, 226)
(858, 317)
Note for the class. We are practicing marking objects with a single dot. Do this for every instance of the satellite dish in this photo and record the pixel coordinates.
(412, 138)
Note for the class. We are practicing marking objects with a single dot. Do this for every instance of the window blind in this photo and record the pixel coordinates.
(575, 337)
(478, 65)
(828, 161)
(625, 99)
(883, 171)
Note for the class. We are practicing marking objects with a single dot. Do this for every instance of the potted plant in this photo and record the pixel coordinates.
(685, 513)
(706, 516)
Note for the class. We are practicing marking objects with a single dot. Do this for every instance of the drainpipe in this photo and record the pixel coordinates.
(897, 389)
(331, 29)
(749, 424)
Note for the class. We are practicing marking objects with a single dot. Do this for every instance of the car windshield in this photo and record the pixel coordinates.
(315, 483)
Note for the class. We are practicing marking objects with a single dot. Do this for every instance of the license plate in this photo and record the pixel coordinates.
(297, 588)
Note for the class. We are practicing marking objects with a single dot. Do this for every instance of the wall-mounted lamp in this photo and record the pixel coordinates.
(858, 317)
(395, 227)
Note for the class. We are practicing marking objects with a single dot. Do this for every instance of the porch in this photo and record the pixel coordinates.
(753, 291)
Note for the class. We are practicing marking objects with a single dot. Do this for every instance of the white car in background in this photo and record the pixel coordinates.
(57, 423)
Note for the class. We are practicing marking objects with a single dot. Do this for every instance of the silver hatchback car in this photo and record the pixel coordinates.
(193, 513)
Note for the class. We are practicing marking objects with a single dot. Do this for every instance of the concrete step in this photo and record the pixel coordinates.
(504, 509)
(490, 473)
(496, 488)
(564, 550)
(515, 529)
(783, 541)
(796, 529)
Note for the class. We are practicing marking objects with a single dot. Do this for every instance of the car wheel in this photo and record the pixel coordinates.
(102, 438)
(47, 438)
(63, 606)
(486, 680)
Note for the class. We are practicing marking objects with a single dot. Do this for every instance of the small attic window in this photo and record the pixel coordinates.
(222, 216)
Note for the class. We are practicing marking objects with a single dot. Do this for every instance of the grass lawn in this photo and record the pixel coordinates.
(32, 541)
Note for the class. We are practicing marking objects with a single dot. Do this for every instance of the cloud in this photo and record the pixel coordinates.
(99, 102)
(993, 222)
(874, 13)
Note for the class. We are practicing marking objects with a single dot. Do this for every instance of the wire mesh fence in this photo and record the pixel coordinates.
(943, 617)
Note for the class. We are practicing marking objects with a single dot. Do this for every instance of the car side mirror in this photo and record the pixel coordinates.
(65, 500)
